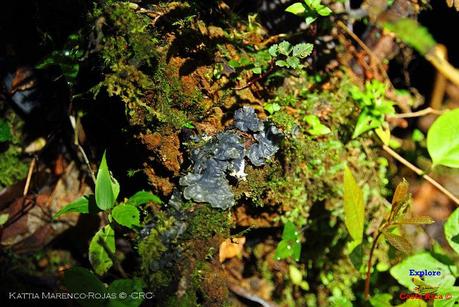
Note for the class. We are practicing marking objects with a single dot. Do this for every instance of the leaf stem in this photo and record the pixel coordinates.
(112, 256)
(421, 173)
(370, 258)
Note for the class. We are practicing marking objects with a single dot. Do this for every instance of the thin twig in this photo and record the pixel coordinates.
(420, 172)
(29, 177)
(419, 113)
(367, 50)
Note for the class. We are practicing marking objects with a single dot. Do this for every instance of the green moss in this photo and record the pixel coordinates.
(151, 249)
(136, 72)
(206, 222)
(12, 166)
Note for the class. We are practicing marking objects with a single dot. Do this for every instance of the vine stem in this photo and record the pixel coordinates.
(421, 173)
(367, 279)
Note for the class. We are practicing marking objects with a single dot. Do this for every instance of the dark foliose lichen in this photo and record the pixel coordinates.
(225, 155)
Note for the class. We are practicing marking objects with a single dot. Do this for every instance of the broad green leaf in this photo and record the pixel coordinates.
(381, 300)
(413, 34)
(143, 197)
(126, 215)
(452, 230)
(309, 20)
(401, 193)
(366, 122)
(98, 256)
(272, 107)
(5, 133)
(105, 197)
(281, 63)
(383, 134)
(450, 297)
(413, 303)
(290, 232)
(256, 70)
(302, 50)
(398, 242)
(127, 286)
(273, 50)
(4, 218)
(287, 249)
(295, 275)
(322, 10)
(296, 8)
(316, 127)
(443, 140)
(81, 280)
(115, 187)
(354, 211)
(421, 262)
(285, 48)
(293, 62)
(84, 204)
(419, 220)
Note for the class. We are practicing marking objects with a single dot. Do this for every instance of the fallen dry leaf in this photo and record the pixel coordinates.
(231, 248)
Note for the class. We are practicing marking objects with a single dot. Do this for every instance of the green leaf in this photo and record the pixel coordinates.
(143, 197)
(296, 8)
(452, 230)
(399, 242)
(4, 218)
(302, 50)
(293, 62)
(309, 20)
(381, 300)
(105, 197)
(443, 141)
(81, 280)
(272, 107)
(290, 245)
(84, 204)
(413, 34)
(419, 220)
(290, 232)
(322, 10)
(421, 262)
(126, 286)
(285, 48)
(126, 215)
(354, 209)
(256, 70)
(5, 133)
(450, 297)
(366, 122)
(98, 256)
(273, 50)
(295, 275)
(317, 128)
(281, 63)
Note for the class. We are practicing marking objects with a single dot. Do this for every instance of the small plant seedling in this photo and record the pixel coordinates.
(374, 106)
(309, 9)
(290, 245)
(102, 246)
(396, 217)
